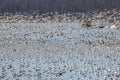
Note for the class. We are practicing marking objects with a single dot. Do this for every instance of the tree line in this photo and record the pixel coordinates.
(44, 6)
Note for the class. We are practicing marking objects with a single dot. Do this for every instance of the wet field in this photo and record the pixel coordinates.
(58, 51)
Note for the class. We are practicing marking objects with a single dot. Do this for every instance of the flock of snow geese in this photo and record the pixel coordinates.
(60, 53)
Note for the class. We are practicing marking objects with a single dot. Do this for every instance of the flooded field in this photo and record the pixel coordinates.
(58, 51)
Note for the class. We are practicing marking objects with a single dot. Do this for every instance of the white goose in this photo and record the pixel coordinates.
(113, 26)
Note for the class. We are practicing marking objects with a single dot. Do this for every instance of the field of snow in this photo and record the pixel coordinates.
(58, 51)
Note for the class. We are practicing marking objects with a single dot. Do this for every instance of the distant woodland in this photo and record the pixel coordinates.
(44, 6)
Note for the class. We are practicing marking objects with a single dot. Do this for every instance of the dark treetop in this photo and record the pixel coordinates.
(44, 6)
